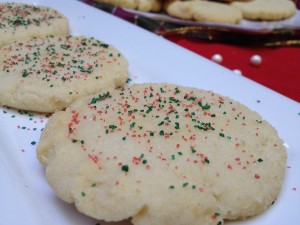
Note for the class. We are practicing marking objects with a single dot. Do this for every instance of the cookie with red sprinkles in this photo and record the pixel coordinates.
(23, 21)
(47, 74)
(163, 154)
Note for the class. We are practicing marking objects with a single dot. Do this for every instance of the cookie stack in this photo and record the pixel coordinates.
(224, 11)
(45, 69)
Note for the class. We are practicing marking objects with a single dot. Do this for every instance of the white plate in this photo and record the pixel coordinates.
(26, 198)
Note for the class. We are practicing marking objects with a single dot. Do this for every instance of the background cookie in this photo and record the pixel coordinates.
(22, 21)
(204, 11)
(266, 9)
(47, 74)
(163, 154)
(143, 5)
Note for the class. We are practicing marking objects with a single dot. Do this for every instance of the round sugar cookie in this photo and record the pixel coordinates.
(47, 74)
(142, 5)
(163, 154)
(203, 11)
(23, 21)
(266, 9)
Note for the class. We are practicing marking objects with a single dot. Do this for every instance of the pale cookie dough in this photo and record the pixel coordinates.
(203, 11)
(22, 21)
(163, 154)
(142, 5)
(266, 9)
(47, 74)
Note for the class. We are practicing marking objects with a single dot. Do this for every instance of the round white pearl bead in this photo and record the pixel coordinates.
(256, 60)
(217, 58)
(236, 71)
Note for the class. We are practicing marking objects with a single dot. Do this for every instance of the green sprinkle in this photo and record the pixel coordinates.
(204, 107)
(151, 133)
(161, 133)
(173, 157)
(149, 109)
(112, 127)
(221, 135)
(25, 73)
(193, 150)
(207, 161)
(185, 184)
(83, 194)
(104, 45)
(132, 125)
(260, 160)
(144, 161)
(82, 142)
(124, 138)
(93, 185)
(125, 168)
(191, 98)
(33, 143)
(204, 126)
(161, 123)
(100, 97)
(171, 187)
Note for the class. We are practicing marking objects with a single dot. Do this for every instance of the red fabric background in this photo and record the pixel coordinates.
(279, 70)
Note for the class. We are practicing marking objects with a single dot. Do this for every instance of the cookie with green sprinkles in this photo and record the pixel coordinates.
(163, 154)
(23, 21)
(47, 74)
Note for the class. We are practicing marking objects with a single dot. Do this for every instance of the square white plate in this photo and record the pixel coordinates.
(26, 198)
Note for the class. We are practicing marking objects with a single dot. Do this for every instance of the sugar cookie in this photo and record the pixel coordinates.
(203, 11)
(163, 154)
(23, 21)
(266, 9)
(47, 74)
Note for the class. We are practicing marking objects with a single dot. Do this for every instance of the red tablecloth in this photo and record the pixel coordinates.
(279, 70)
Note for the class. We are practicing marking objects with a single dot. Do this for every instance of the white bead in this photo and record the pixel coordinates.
(236, 71)
(286, 145)
(256, 60)
(217, 58)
